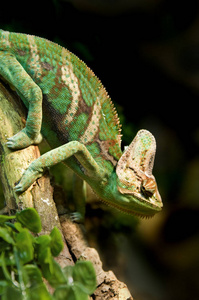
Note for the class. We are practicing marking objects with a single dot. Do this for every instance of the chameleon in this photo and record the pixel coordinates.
(68, 106)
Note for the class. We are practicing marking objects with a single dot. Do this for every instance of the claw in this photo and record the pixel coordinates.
(10, 143)
(21, 140)
(18, 188)
(76, 217)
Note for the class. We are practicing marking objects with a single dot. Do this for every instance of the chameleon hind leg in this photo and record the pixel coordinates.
(13, 72)
(79, 197)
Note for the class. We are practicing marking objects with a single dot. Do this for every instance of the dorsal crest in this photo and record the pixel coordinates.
(108, 109)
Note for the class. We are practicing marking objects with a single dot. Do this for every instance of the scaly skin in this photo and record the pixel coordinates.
(68, 104)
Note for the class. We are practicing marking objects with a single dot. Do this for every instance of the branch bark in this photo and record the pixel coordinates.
(13, 164)
(40, 196)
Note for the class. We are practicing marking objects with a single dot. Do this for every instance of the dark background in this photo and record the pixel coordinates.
(146, 53)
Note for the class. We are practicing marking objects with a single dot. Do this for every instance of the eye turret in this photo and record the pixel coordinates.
(148, 187)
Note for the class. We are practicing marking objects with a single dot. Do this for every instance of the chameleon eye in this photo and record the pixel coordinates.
(148, 187)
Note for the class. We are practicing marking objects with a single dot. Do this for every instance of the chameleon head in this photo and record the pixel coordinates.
(135, 181)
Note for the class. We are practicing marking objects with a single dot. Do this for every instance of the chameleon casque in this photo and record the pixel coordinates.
(68, 104)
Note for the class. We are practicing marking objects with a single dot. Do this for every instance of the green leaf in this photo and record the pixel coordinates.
(46, 260)
(40, 292)
(68, 272)
(4, 245)
(4, 219)
(19, 269)
(34, 283)
(63, 292)
(43, 248)
(5, 235)
(24, 244)
(57, 277)
(4, 268)
(12, 293)
(3, 283)
(43, 241)
(84, 275)
(10, 225)
(33, 273)
(81, 281)
(44, 254)
(8, 257)
(3, 286)
(18, 226)
(56, 243)
(29, 218)
(70, 293)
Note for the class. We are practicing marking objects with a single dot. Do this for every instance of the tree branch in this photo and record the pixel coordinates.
(13, 164)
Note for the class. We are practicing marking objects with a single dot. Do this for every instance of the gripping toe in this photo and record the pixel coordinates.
(76, 217)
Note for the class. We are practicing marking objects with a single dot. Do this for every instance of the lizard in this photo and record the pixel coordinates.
(68, 106)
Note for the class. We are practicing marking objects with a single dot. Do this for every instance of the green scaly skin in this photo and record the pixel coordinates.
(68, 104)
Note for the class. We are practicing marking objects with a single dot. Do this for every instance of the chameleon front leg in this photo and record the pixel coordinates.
(89, 167)
(13, 72)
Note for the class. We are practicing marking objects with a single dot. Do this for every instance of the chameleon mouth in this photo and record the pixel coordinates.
(132, 212)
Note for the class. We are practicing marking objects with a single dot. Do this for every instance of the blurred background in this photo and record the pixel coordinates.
(146, 53)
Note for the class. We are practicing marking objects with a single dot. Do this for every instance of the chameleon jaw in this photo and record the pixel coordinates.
(140, 211)
(131, 202)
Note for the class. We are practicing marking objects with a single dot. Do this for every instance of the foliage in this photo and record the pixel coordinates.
(25, 260)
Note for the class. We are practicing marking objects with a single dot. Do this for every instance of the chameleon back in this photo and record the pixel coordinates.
(75, 104)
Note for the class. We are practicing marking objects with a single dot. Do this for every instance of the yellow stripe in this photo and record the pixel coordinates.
(70, 80)
(34, 61)
(93, 125)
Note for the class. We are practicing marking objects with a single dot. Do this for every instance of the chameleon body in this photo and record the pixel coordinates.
(68, 104)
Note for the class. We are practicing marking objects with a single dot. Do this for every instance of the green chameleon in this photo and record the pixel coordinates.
(67, 103)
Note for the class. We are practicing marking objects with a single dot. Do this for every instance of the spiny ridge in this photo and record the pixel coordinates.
(108, 107)
(110, 112)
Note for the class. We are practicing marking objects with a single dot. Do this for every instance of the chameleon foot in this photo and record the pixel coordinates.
(28, 178)
(76, 217)
(22, 140)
